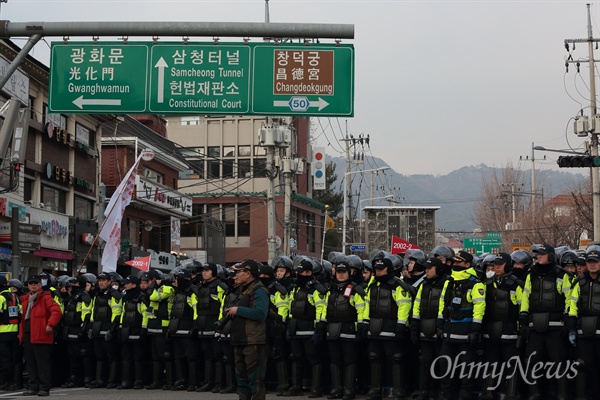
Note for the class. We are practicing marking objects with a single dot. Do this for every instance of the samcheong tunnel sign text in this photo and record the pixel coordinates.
(202, 78)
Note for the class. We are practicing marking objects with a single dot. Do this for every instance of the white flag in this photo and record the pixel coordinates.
(111, 230)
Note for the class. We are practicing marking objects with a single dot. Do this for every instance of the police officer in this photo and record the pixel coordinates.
(464, 304)
(133, 329)
(184, 331)
(78, 312)
(306, 328)
(585, 307)
(10, 318)
(161, 302)
(500, 323)
(106, 314)
(415, 269)
(522, 261)
(427, 324)
(345, 314)
(356, 269)
(544, 304)
(210, 297)
(279, 309)
(283, 271)
(389, 305)
(446, 255)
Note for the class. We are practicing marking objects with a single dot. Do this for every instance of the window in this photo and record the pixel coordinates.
(195, 159)
(153, 175)
(28, 190)
(213, 169)
(243, 219)
(56, 119)
(83, 208)
(53, 199)
(190, 120)
(84, 136)
(229, 219)
(244, 168)
(227, 169)
(229, 151)
(214, 151)
(244, 151)
(193, 226)
(260, 167)
(260, 151)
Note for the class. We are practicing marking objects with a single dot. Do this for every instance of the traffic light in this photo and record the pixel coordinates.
(318, 164)
(578, 161)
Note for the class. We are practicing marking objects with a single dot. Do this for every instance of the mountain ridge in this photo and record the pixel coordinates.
(456, 192)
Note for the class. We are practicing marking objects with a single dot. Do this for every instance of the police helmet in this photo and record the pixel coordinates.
(488, 260)
(91, 278)
(522, 257)
(15, 283)
(50, 279)
(327, 267)
(335, 257)
(378, 255)
(569, 258)
(355, 261)
(317, 267)
(367, 266)
(283, 262)
(443, 251)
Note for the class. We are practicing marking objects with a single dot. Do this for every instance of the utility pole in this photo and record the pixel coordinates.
(594, 121)
(346, 191)
(271, 241)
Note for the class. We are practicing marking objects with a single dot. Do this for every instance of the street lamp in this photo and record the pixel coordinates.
(389, 197)
(344, 242)
(542, 148)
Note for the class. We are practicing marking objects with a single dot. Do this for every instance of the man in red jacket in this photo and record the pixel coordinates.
(41, 314)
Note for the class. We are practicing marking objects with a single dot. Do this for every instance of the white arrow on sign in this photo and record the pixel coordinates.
(80, 102)
(161, 65)
(318, 103)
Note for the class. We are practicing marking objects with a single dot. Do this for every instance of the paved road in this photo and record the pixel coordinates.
(113, 394)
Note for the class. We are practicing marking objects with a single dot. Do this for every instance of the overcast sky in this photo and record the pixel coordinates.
(439, 84)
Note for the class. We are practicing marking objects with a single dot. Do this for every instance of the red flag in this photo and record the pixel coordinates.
(400, 245)
(141, 263)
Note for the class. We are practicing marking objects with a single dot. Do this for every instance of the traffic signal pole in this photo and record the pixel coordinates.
(593, 129)
(594, 144)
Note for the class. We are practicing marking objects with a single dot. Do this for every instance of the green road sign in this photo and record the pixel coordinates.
(202, 78)
(188, 78)
(303, 80)
(93, 78)
(483, 245)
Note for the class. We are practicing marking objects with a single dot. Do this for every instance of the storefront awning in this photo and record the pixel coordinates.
(56, 254)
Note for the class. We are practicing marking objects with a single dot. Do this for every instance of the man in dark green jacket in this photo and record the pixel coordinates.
(248, 331)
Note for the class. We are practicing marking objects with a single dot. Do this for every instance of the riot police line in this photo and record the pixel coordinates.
(443, 326)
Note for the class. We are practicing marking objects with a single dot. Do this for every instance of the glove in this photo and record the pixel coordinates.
(319, 334)
(573, 338)
(108, 336)
(439, 328)
(362, 331)
(474, 338)
(524, 325)
(415, 328)
(193, 332)
(400, 331)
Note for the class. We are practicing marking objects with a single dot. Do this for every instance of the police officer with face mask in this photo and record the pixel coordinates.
(504, 292)
(210, 296)
(306, 328)
(78, 312)
(542, 316)
(345, 315)
(463, 316)
(184, 331)
(106, 314)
